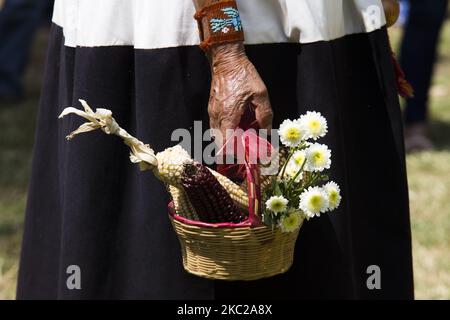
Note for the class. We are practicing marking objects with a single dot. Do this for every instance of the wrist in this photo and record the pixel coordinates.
(219, 23)
(223, 55)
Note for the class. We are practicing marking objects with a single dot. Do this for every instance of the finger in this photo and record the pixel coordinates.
(263, 111)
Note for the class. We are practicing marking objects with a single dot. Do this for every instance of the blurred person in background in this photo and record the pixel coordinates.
(404, 13)
(19, 20)
(418, 55)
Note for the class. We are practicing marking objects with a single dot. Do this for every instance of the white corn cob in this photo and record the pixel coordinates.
(182, 204)
(238, 194)
(171, 165)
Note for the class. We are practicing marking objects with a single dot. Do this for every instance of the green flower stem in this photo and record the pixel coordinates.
(291, 153)
(313, 180)
(297, 174)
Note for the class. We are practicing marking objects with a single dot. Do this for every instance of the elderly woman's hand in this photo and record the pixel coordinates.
(235, 84)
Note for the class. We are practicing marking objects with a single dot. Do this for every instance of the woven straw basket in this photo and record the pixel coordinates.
(241, 253)
(245, 251)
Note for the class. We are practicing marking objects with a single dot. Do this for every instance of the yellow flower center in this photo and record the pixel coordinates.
(290, 221)
(333, 196)
(277, 205)
(299, 159)
(293, 134)
(318, 158)
(316, 202)
(314, 125)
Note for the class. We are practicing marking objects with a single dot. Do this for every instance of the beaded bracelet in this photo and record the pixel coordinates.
(219, 23)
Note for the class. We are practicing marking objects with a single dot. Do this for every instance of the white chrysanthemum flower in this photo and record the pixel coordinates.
(291, 133)
(314, 125)
(313, 201)
(291, 221)
(292, 169)
(334, 194)
(299, 157)
(277, 204)
(318, 157)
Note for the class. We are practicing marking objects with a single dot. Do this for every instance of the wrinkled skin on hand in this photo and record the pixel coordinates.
(391, 11)
(235, 85)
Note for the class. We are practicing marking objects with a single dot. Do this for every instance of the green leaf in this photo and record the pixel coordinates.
(277, 191)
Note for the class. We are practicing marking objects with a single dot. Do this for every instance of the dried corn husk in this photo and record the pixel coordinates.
(166, 165)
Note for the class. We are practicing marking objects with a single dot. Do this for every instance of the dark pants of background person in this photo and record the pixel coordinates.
(19, 20)
(418, 53)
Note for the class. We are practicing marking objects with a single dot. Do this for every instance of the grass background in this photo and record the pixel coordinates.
(429, 179)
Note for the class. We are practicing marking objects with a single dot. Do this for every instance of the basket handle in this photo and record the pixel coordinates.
(250, 143)
(251, 172)
(253, 189)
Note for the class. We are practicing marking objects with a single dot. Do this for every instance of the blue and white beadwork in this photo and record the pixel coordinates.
(222, 25)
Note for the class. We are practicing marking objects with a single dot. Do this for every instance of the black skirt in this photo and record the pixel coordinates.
(89, 206)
